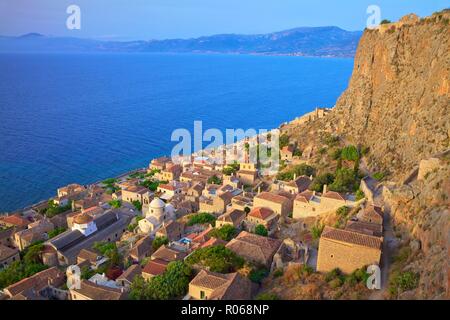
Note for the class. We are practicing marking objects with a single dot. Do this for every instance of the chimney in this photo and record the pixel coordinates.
(325, 188)
(259, 189)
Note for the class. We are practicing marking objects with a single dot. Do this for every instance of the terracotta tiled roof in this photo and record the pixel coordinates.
(305, 196)
(373, 211)
(168, 254)
(261, 213)
(272, 197)
(372, 229)
(97, 292)
(15, 220)
(254, 247)
(288, 148)
(352, 237)
(232, 216)
(155, 267)
(141, 247)
(82, 218)
(7, 252)
(334, 195)
(37, 281)
(129, 274)
(302, 183)
(230, 286)
(213, 242)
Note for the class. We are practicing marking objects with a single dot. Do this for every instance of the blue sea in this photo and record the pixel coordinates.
(67, 118)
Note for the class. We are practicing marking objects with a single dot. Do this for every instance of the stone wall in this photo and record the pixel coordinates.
(345, 256)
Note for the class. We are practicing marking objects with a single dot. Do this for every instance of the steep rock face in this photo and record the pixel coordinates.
(397, 102)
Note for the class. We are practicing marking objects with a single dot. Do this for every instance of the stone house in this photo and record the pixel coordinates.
(90, 291)
(297, 185)
(310, 204)
(141, 249)
(241, 202)
(254, 248)
(126, 279)
(172, 230)
(371, 214)
(209, 285)
(36, 284)
(154, 268)
(262, 216)
(279, 204)
(158, 164)
(136, 193)
(7, 256)
(347, 250)
(36, 231)
(234, 217)
(216, 205)
(287, 153)
(247, 173)
(170, 173)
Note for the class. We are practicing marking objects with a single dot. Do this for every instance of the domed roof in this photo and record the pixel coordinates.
(157, 203)
(83, 219)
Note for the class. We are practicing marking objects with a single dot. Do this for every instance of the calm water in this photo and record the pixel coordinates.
(82, 118)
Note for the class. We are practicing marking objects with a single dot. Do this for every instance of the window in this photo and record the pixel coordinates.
(332, 256)
(202, 295)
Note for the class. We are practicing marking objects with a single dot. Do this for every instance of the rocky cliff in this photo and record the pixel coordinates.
(397, 104)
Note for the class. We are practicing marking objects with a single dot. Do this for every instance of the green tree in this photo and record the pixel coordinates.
(267, 296)
(226, 232)
(385, 21)
(316, 231)
(202, 218)
(158, 242)
(172, 284)
(115, 203)
(137, 204)
(350, 153)
(214, 180)
(321, 180)
(257, 275)
(261, 230)
(345, 181)
(216, 258)
(284, 141)
(56, 231)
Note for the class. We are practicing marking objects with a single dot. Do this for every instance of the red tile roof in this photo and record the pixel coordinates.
(261, 213)
(155, 267)
(272, 197)
(352, 237)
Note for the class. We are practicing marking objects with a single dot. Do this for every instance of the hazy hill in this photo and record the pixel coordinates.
(320, 41)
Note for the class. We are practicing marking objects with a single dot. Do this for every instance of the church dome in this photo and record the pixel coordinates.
(157, 203)
(83, 219)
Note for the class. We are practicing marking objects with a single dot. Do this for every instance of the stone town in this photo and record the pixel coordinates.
(106, 240)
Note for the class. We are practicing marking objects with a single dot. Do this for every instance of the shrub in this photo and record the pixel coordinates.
(278, 273)
(267, 296)
(345, 181)
(298, 170)
(378, 176)
(115, 203)
(137, 204)
(335, 283)
(333, 274)
(214, 180)
(350, 153)
(261, 230)
(284, 140)
(321, 180)
(385, 21)
(360, 195)
(56, 232)
(257, 275)
(172, 284)
(227, 232)
(216, 258)
(316, 231)
(158, 242)
(202, 218)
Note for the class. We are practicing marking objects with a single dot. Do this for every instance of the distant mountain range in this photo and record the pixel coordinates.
(319, 42)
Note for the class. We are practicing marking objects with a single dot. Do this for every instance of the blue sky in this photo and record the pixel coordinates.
(161, 19)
